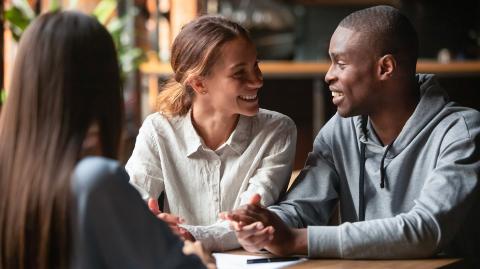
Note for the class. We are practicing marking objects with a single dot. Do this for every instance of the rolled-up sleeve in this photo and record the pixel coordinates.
(273, 173)
(144, 166)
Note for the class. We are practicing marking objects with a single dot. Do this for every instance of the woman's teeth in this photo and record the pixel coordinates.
(248, 97)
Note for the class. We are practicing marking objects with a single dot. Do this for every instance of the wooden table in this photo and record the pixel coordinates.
(364, 264)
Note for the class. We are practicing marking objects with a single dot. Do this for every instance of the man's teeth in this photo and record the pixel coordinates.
(248, 97)
(337, 94)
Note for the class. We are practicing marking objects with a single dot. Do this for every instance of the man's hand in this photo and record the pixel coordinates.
(255, 236)
(257, 227)
(172, 220)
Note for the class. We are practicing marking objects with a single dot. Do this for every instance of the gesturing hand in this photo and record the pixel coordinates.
(172, 220)
(257, 227)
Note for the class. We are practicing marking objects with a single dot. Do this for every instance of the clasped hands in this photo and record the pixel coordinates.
(258, 228)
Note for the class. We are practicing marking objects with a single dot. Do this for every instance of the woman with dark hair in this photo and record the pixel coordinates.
(209, 148)
(58, 207)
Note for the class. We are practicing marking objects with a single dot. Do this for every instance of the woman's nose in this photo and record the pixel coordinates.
(256, 80)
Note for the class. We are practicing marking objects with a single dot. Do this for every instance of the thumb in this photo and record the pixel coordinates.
(255, 199)
(153, 206)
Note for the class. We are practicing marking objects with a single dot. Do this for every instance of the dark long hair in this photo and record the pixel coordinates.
(66, 77)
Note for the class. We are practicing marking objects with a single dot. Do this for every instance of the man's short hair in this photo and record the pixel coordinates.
(390, 31)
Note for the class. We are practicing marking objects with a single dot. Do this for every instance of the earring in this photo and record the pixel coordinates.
(204, 92)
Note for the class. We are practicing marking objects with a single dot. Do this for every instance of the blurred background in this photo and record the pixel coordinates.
(292, 39)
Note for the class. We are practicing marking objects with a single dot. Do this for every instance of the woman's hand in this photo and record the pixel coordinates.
(197, 249)
(172, 220)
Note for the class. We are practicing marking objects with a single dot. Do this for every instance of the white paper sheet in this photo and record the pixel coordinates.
(232, 261)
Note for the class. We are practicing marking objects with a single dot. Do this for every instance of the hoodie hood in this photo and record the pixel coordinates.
(428, 112)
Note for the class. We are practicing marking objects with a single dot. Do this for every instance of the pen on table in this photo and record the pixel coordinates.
(276, 259)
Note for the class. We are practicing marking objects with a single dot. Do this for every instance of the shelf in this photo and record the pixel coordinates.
(292, 69)
(153, 69)
(346, 2)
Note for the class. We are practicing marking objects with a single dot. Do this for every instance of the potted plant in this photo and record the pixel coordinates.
(20, 14)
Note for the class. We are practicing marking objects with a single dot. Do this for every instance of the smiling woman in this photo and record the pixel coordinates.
(210, 147)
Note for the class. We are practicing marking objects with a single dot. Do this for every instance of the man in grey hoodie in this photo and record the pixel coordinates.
(401, 160)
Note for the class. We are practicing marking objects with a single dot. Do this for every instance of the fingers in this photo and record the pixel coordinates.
(185, 234)
(252, 213)
(173, 221)
(177, 231)
(190, 248)
(255, 199)
(247, 214)
(170, 219)
(255, 229)
(153, 206)
(242, 218)
(224, 215)
(258, 243)
(255, 236)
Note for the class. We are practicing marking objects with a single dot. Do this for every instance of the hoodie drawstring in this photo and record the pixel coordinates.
(361, 181)
(382, 166)
(361, 192)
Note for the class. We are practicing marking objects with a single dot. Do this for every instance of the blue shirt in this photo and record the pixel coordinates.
(112, 226)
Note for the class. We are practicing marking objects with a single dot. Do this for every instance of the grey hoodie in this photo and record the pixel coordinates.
(429, 203)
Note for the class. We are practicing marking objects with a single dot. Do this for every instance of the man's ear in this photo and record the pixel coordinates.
(198, 85)
(386, 66)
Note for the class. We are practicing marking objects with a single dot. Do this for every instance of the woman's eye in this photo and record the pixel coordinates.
(240, 74)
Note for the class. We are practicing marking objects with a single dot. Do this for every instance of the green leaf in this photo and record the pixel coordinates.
(3, 96)
(130, 59)
(25, 8)
(16, 17)
(104, 10)
(54, 5)
(19, 17)
(115, 27)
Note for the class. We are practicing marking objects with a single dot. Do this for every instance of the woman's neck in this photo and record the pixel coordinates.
(214, 127)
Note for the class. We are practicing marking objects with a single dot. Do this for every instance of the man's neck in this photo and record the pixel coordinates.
(390, 119)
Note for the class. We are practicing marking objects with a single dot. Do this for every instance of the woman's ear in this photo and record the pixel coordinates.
(386, 66)
(198, 85)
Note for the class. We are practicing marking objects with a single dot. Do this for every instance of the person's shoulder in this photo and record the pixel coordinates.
(470, 116)
(268, 118)
(159, 119)
(92, 172)
(463, 121)
(158, 124)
